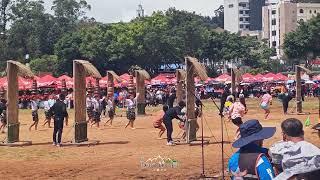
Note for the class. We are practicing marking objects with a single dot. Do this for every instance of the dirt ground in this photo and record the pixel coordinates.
(120, 152)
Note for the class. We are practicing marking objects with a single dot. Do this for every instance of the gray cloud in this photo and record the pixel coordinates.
(124, 10)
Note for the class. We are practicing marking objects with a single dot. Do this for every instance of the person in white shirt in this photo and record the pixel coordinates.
(110, 109)
(96, 102)
(34, 107)
(131, 110)
(89, 105)
(48, 103)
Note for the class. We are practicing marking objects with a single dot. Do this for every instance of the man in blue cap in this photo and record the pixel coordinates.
(251, 161)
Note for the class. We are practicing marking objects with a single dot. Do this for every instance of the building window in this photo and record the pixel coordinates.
(247, 19)
(241, 12)
(274, 33)
(242, 4)
(273, 11)
(274, 22)
(310, 12)
(241, 19)
(315, 11)
(230, 5)
(246, 12)
(301, 11)
(274, 43)
(247, 26)
(241, 26)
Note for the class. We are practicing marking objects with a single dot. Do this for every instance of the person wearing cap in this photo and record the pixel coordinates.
(293, 156)
(34, 107)
(251, 160)
(168, 116)
(59, 112)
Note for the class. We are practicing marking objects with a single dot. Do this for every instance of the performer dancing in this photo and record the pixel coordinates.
(131, 110)
(158, 122)
(111, 111)
(236, 112)
(34, 108)
(47, 105)
(96, 110)
(89, 105)
(266, 100)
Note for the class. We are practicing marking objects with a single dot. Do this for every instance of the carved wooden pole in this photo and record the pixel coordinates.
(34, 88)
(298, 89)
(2, 92)
(180, 80)
(141, 100)
(110, 85)
(233, 82)
(97, 88)
(80, 103)
(131, 85)
(12, 108)
(190, 88)
(64, 86)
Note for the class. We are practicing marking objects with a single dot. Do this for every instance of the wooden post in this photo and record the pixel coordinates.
(190, 88)
(12, 108)
(233, 82)
(79, 103)
(298, 89)
(97, 88)
(131, 85)
(141, 100)
(64, 87)
(110, 85)
(179, 86)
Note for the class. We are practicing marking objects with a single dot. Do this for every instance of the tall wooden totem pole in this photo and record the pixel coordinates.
(13, 70)
(193, 68)
(141, 76)
(181, 77)
(81, 69)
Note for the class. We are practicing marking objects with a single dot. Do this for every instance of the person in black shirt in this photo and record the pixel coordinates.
(169, 116)
(59, 112)
(171, 98)
(225, 94)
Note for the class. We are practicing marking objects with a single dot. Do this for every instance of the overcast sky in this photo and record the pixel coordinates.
(124, 10)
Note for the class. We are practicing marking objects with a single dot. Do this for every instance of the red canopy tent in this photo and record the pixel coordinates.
(247, 77)
(281, 77)
(23, 83)
(223, 78)
(46, 81)
(258, 78)
(69, 81)
(165, 78)
(269, 77)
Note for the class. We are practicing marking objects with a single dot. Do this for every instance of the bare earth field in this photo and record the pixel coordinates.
(120, 150)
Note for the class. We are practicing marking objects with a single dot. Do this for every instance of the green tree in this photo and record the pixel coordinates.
(303, 44)
(46, 63)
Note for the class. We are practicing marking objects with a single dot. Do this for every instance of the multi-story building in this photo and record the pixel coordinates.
(243, 15)
(280, 17)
